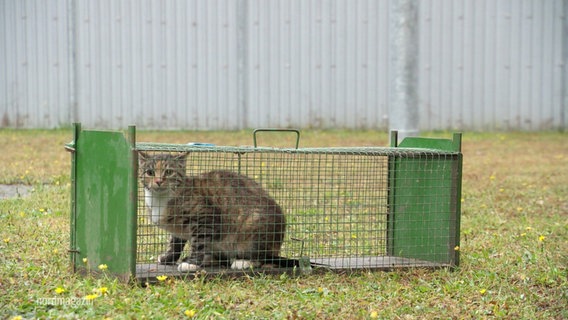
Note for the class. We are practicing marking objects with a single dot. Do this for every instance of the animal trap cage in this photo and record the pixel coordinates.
(345, 208)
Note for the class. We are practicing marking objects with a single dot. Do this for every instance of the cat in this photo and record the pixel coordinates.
(228, 218)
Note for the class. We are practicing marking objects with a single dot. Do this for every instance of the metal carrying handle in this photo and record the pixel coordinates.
(276, 130)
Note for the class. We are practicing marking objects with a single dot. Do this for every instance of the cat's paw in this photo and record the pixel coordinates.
(187, 267)
(167, 258)
(243, 264)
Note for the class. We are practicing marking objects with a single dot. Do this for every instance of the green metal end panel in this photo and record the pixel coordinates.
(103, 217)
(424, 201)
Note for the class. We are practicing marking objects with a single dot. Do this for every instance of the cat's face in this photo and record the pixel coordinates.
(161, 172)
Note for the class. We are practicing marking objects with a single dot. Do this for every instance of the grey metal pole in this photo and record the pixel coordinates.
(403, 58)
(72, 48)
(564, 102)
(242, 61)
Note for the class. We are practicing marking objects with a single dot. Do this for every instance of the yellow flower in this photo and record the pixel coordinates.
(91, 296)
(491, 177)
(541, 238)
(6, 240)
(17, 318)
(482, 291)
(457, 248)
(528, 228)
(85, 260)
(101, 290)
(161, 278)
(374, 315)
(523, 234)
(103, 267)
(190, 313)
(59, 290)
(320, 289)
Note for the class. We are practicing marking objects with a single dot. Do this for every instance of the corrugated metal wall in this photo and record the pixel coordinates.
(227, 64)
(158, 64)
(34, 64)
(318, 63)
(489, 64)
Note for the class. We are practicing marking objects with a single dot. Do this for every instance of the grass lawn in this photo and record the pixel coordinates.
(514, 243)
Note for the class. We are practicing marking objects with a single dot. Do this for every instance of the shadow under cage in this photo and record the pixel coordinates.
(345, 208)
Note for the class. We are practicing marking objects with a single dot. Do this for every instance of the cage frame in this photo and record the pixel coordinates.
(104, 203)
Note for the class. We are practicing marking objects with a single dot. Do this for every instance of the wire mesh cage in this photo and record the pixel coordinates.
(304, 208)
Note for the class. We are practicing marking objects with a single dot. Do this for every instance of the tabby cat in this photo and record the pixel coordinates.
(228, 218)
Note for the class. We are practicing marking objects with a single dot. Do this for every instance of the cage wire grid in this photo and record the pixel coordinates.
(338, 204)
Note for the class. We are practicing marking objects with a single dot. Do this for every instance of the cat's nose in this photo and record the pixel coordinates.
(158, 182)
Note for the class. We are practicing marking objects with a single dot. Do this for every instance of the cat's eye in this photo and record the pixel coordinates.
(150, 172)
(168, 172)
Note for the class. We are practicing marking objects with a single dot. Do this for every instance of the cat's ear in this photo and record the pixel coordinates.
(181, 156)
(142, 157)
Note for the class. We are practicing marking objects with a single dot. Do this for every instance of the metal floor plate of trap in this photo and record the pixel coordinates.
(149, 271)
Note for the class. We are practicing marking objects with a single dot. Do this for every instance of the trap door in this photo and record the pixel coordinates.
(424, 200)
(103, 202)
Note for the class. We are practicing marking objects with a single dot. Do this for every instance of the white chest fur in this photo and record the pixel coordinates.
(156, 203)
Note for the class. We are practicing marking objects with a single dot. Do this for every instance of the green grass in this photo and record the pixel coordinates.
(514, 243)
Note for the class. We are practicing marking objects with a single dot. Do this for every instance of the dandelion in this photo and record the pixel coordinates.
(102, 290)
(103, 267)
(190, 313)
(528, 228)
(457, 248)
(17, 318)
(22, 214)
(374, 315)
(59, 290)
(519, 209)
(491, 177)
(320, 290)
(55, 251)
(85, 260)
(161, 278)
(6, 240)
(482, 291)
(91, 297)
(541, 238)
(524, 234)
